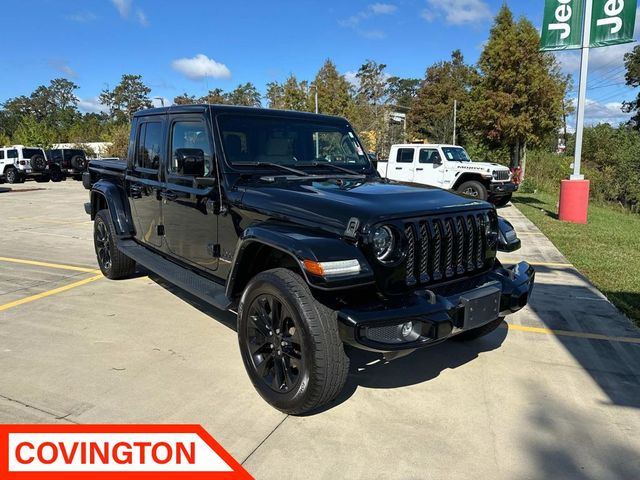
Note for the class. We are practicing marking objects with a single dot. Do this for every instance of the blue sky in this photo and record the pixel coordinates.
(196, 45)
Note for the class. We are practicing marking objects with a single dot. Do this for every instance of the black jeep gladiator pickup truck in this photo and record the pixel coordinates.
(281, 217)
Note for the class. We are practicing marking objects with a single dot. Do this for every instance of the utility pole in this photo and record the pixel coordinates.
(455, 119)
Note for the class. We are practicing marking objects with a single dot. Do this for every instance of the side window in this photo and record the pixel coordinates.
(191, 152)
(1, 154)
(148, 146)
(429, 155)
(12, 153)
(405, 155)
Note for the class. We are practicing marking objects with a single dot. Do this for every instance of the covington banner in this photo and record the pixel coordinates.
(612, 23)
(113, 451)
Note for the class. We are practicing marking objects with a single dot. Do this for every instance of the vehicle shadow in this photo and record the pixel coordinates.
(534, 202)
(4, 189)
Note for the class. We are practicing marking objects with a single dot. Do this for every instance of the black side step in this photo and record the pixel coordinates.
(210, 292)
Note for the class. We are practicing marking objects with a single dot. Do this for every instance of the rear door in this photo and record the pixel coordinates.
(143, 181)
(403, 168)
(190, 212)
(429, 169)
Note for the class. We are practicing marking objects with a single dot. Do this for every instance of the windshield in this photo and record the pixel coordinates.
(291, 142)
(456, 154)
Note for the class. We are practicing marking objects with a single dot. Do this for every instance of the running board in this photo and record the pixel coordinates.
(207, 290)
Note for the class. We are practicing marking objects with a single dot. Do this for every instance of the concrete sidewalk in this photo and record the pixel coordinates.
(528, 402)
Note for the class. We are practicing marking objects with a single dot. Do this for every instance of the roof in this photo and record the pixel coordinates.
(426, 145)
(221, 109)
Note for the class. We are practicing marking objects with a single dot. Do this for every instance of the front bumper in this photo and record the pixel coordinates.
(502, 188)
(435, 317)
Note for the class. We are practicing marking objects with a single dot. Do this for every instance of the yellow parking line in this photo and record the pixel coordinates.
(49, 265)
(48, 293)
(566, 333)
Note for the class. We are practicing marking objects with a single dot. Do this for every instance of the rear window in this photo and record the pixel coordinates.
(30, 152)
(12, 153)
(405, 155)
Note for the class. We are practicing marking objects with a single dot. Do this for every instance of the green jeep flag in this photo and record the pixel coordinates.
(562, 26)
(613, 22)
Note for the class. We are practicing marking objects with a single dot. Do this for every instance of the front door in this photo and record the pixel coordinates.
(429, 170)
(143, 183)
(190, 212)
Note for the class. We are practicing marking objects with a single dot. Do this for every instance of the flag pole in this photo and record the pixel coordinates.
(582, 90)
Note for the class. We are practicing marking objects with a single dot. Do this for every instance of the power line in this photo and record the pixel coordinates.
(606, 86)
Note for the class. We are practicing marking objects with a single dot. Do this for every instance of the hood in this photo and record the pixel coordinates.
(330, 204)
(484, 167)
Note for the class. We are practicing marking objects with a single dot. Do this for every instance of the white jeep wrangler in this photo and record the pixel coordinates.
(449, 167)
(17, 163)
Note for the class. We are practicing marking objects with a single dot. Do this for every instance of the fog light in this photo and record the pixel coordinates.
(407, 329)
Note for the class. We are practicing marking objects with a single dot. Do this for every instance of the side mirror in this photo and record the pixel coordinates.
(206, 181)
(508, 240)
(437, 160)
(190, 161)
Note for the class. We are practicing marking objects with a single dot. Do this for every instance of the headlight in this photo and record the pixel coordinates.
(384, 243)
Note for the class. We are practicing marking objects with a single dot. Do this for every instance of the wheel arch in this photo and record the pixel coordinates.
(270, 246)
(110, 196)
(467, 177)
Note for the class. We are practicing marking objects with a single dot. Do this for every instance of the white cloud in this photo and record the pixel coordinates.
(352, 78)
(123, 7)
(62, 67)
(382, 8)
(200, 67)
(596, 112)
(457, 12)
(354, 21)
(91, 105)
(142, 18)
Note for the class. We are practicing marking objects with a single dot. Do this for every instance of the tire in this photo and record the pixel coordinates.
(502, 201)
(38, 163)
(78, 162)
(42, 178)
(473, 189)
(113, 263)
(310, 368)
(57, 176)
(479, 332)
(12, 175)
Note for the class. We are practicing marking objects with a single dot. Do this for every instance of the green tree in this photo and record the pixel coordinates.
(632, 64)
(518, 99)
(290, 95)
(31, 132)
(214, 97)
(431, 114)
(371, 111)
(119, 137)
(185, 99)
(334, 92)
(129, 96)
(245, 94)
(402, 91)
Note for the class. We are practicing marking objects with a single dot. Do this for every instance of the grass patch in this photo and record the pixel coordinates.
(606, 250)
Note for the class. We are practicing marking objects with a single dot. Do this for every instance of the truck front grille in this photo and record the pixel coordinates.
(443, 248)
(501, 175)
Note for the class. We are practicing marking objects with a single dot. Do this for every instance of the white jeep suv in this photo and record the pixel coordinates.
(17, 163)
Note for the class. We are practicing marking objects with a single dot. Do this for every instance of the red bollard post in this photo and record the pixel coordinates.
(574, 201)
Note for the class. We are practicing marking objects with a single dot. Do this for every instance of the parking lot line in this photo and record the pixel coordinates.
(539, 264)
(49, 265)
(567, 333)
(48, 293)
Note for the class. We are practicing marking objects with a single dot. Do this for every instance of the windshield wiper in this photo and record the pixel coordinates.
(335, 167)
(274, 165)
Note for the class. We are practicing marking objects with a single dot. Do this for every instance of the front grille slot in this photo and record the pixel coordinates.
(444, 248)
(501, 175)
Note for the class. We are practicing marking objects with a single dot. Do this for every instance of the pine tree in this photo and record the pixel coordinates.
(519, 97)
(334, 92)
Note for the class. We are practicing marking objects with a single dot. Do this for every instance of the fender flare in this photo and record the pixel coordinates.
(115, 199)
(300, 244)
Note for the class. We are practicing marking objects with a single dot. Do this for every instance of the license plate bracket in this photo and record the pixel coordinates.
(481, 306)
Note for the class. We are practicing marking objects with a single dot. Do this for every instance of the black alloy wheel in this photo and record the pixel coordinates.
(103, 245)
(274, 342)
(12, 176)
(473, 189)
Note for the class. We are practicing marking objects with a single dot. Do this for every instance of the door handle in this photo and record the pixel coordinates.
(168, 196)
(419, 169)
(398, 168)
